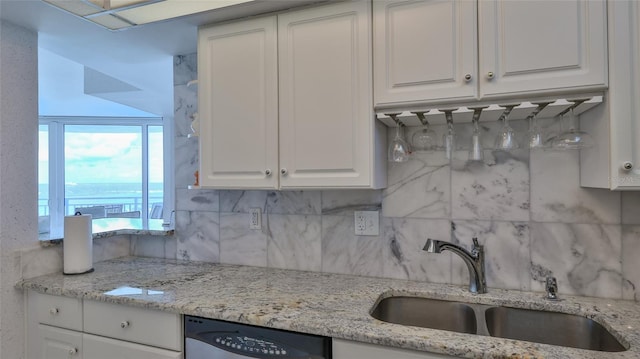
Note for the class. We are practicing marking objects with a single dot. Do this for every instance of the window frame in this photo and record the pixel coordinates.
(56, 126)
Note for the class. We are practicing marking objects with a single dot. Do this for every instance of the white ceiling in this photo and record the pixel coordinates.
(140, 56)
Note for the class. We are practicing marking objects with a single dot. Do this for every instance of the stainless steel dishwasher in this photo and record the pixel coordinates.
(215, 339)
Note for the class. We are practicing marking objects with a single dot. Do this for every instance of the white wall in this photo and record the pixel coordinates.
(18, 177)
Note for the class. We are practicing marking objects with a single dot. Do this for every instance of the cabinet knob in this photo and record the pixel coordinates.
(54, 311)
(267, 172)
(467, 77)
(124, 324)
(283, 171)
(490, 75)
(627, 166)
(73, 351)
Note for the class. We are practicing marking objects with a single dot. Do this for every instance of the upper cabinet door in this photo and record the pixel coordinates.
(424, 50)
(542, 46)
(326, 110)
(238, 104)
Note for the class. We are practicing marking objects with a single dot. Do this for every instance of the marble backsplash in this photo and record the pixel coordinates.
(526, 207)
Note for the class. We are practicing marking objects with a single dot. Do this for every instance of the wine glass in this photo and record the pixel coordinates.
(535, 134)
(399, 149)
(506, 139)
(572, 138)
(449, 138)
(425, 138)
(476, 153)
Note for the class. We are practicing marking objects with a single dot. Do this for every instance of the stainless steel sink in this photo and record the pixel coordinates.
(427, 313)
(550, 328)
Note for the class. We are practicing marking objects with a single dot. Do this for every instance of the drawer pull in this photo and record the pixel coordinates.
(73, 351)
(54, 311)
(124, 324)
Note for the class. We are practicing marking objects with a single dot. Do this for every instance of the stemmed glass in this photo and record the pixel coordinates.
(506, 139)
(449, 138)
(424, 139)
(536, 138)
(476, 153)
(572, 138)
(399, 149)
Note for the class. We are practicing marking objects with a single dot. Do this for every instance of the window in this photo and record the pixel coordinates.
(111, 168)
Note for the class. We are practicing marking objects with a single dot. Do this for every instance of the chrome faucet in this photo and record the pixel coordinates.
(474, 261)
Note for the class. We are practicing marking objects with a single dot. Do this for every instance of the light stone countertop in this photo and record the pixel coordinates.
(328, 304)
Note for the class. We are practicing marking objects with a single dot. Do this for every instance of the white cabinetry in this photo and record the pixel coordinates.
(615, 162)
(424, 50)
(57, 343)
(318, 73)
(343, 349)
(523, 47)
(238, 104)
(60, 327)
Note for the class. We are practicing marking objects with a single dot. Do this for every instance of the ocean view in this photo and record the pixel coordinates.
(90, 194)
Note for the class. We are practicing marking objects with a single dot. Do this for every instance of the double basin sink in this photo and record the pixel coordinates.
(504, 322)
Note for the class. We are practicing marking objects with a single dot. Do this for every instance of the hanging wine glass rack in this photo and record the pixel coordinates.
(493, 111)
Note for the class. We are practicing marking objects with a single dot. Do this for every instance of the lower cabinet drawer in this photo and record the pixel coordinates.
(150, 327)
(105, 348)
(63, 312)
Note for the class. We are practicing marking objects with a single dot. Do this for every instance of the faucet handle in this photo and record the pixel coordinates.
(475, 242)
(551, 286)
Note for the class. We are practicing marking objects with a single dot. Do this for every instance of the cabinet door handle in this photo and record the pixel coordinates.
(54, 311)
(467, 77)
(267, 172)
(124, 324)
(73, 351)
(627, 166)
(490, 75)
(283, 171)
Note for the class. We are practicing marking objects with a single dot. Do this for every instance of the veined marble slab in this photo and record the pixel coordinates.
(326, 304)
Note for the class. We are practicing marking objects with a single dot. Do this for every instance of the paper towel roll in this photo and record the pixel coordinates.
(77, 244)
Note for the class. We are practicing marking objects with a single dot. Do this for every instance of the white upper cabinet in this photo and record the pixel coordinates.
(614, 162)
(439, 51)
(542, 46)
(424, 50)
(285, 101)
(327, 128)
(238, 104)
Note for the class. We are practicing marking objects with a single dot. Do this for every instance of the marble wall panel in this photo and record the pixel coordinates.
(241, 245)
(630, 262)
(418, 188)
(506, 248)
(185, 68)
(154, 246)
(185, 106)
(197, 200)
(295, 242)
(497, 188)
(344, 252)
(198, 236)
(402, 254)
(345, 202)
(186, 161)
(556, 195)
(631, 207)
(584, 258)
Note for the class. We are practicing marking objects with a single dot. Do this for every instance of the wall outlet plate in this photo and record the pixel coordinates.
(367, 223)
(255, 218)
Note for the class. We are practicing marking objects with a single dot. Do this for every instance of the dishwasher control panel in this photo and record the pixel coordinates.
(250, 345)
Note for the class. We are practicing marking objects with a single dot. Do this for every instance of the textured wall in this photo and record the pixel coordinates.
(18, 178)
(526, 207)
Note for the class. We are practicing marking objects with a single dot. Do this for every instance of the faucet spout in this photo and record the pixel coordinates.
(474, 261)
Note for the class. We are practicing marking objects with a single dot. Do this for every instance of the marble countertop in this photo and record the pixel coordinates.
(326, 304)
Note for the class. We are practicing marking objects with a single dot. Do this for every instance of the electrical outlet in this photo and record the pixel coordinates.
(255, 218)
(367, 223)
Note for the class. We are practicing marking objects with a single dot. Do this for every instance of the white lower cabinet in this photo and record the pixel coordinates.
(96, 347)
(59, 327)
(57, 343)
(344, 349)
